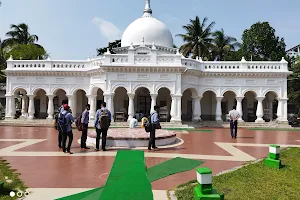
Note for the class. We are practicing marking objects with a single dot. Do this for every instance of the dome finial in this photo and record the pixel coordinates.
(147, 10)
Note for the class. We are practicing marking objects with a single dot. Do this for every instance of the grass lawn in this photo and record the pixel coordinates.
(256, 181)
(13, 184)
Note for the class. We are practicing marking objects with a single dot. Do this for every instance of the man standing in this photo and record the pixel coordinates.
(67, 119)
(85, 124)
(102, 123)
(233, 116)
(60, 110)
(155, 125)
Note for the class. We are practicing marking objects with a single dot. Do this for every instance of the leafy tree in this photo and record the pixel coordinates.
(111, 45)
(2, 62)
(27, 52)
(261, 44)
(223, 44)
(234, 55)
(293, 83)
(20, 35)
(198, 38)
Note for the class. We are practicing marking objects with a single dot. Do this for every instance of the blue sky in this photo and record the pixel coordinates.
(73, 29)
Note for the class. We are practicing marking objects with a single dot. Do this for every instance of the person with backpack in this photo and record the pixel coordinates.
(65, 120)
(155, 124)
(102, 123)
(85, 124)
(61, 108)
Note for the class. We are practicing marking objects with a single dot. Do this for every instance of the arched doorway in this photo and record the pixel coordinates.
(189, 104)
(249, 105)
(20, 103)
(121, 103)
(79, 102)
(40, 104)
(142, 103)
(164, 101)
(270, 106)
(227, 104)
(60, 95)
(208, 106)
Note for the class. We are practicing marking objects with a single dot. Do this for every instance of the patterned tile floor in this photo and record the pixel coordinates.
(33, 152)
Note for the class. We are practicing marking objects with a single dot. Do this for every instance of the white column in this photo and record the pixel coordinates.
(71, 104)
(284, 110)
(153, 102)
(239, 107)
(31, 109)
(196, 109)
(279, 109)
(130, 106)
(92, 102)
(13, 106)
(8, 106)
(50, 110)
(270, 105)
(219, 109)
(24, 106)
(173, 109)
(112, 106)
(259, 109)
(178, 102)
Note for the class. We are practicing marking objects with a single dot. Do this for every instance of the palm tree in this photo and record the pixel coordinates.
(20, 35)
(198, 38)
(2, 62)
(223, 44)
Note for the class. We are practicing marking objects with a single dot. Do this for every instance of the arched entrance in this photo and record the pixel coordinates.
(164, 101)
(60, 95)
(20, 104)
(121, 103)
(227, 104)
(208, 106)
(79, 102)
(40, 104)
(270, 105)
(142, 103)
(189, 104)
(249, 105)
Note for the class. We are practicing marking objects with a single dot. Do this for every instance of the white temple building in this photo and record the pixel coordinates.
(144, 72)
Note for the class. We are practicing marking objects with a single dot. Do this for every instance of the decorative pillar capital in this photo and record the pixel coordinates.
(131, 95)
(197, 97)
(259, 98)
(70, 96)
(153, 96)
(31, 96)
(176, 95)
(239, 99)
(91, 96)
(108, 94)
(219, 99)
(50, 96)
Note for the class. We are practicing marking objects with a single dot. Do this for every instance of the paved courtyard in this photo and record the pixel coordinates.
(33, 152)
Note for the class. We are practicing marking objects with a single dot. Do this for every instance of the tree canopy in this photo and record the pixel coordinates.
(293, 83)
(261, 44)
(27, 52)
(111, 45)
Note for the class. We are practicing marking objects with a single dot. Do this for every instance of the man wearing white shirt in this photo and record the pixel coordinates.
(133, 122)
(233, 116)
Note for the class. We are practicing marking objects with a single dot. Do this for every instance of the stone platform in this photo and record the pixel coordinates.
(131, 138)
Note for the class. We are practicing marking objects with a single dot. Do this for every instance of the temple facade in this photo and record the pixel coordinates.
(147, 71)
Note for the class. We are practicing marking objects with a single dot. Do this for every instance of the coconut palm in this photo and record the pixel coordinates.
(223, 44)
(198, 38)
(2, 61)
(20, 35)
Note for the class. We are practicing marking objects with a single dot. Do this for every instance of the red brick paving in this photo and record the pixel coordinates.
(92, 171)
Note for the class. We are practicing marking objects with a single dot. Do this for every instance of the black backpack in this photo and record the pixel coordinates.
(148, 126)
(62, 123)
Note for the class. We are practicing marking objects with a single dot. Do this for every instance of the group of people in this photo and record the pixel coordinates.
(64, 122)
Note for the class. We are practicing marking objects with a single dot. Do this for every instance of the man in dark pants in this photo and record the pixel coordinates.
(60, 110)
(233, 116)
(100, 113)
(68, 134)
(85, 118)
(154, 123)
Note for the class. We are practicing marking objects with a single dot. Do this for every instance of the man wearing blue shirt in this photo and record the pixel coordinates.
(61, 108)
(85, 118)
(154, 123)
(99, 129)
(68, 134)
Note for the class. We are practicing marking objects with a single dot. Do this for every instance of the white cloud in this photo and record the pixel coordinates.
(107, 29)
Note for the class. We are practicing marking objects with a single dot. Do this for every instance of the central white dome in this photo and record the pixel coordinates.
(148, 29)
